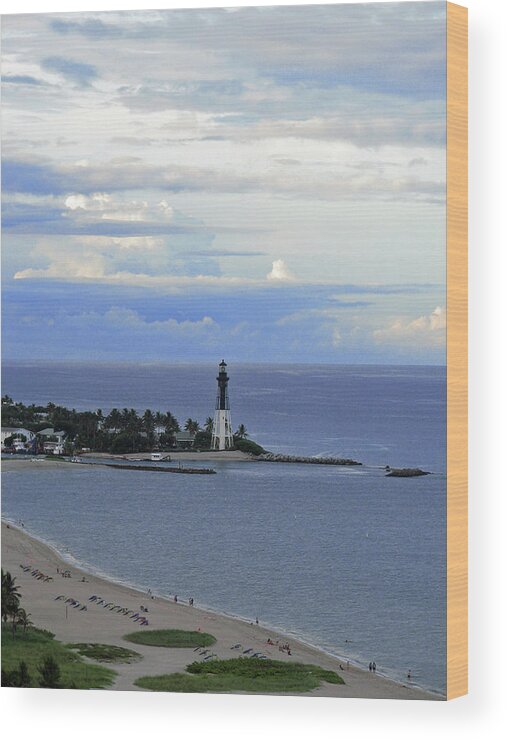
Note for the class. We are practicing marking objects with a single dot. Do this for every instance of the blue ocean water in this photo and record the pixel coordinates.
(345, 558)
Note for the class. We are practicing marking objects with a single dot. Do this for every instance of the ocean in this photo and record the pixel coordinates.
(343, 558)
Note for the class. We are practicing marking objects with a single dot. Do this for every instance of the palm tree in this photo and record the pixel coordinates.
(192, 426)
(113, 419)
(24, 619)
(125, 419)
(241, 432)
(10, 597)
(13, 613)
(171, 424)
(208, 425)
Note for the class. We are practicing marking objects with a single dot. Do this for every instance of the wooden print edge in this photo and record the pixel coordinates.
(457, 351)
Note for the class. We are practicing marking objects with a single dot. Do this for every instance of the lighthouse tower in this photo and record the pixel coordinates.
(221, 439)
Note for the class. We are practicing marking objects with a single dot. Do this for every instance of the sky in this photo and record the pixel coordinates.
(262, 184)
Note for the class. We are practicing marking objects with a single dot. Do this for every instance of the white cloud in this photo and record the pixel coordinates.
(76, 201)
(125, 317)
(280, 272)
(105, 207)
(425, 331)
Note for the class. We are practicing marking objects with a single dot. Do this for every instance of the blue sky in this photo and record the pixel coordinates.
(266, 184)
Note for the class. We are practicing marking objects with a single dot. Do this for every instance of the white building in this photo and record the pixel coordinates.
(17, 433)
(52, 442)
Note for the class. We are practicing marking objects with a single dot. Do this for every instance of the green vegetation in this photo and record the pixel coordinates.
(19, 679)
(105, 653)
(251, 675)
(241, 432)
(49, 674)
(171, 638)
(10, 600)
(47, 663)
(246, 445)
(192, 426)
(32, 657)
(126, 442)
(202, 441)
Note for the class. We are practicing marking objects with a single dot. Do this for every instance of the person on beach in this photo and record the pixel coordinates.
(175, 599)
(374, 666)
(370, 667)
(409, 675)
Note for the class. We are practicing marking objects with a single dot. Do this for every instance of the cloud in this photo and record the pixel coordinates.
(425, 331)
(80, 73)
(225, 253)
(280, 272)
(125, 318)
(129, 261)
(21, 80)
(105, 207)
(394, 32)
(320, 184)
(90, 27)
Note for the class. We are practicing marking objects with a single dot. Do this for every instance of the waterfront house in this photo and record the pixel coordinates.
(184, 440)
(52, 442)
(18, 433)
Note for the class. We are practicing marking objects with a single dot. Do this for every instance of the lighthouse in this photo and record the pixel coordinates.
(221, 439)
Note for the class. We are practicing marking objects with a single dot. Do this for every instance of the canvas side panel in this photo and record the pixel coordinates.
(457, 351)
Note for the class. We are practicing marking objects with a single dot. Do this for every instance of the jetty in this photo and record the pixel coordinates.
(272, 457)
(156, 468)
(405, 472)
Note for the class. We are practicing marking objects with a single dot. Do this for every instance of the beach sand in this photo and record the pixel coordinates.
(101, 625)
(217, 456)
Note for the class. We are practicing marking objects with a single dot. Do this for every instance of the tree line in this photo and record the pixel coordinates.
(119, 431)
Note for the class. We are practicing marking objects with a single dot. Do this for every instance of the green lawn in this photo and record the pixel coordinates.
(171, 638)
(34, 645)
(105, 653)
(251, 675)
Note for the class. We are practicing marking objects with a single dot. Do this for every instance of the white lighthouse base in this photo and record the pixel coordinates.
(222, 439)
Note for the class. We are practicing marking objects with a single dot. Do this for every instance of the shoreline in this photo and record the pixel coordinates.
(19, 546)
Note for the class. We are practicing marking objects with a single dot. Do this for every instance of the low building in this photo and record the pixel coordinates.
(17, 433)
(50, 434)
(53, 448)
(52, 442)
(184, 440)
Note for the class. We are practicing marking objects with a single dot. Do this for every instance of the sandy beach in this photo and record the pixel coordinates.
(101, 625)
(181, 455)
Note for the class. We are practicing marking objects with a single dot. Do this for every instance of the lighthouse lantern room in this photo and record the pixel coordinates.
(222, 438)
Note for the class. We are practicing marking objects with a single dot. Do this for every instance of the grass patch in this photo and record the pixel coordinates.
(249, 446)
(251, 675)
(171, 638)
(105, 653)
(34, 646)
